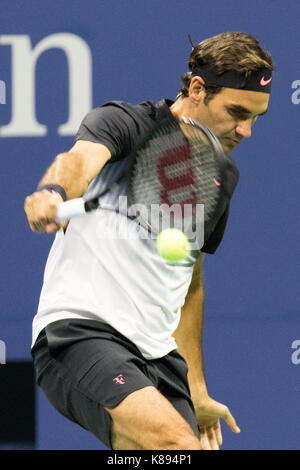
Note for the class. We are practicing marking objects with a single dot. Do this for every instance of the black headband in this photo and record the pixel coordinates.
(259, 80)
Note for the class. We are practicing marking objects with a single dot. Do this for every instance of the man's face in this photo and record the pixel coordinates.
(231, 114)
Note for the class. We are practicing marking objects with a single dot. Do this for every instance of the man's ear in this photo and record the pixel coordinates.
(197, 90)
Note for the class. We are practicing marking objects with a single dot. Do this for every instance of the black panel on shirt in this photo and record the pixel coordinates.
(212, 243)
(123, 128)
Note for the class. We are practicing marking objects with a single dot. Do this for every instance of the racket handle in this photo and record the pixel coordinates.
(68, 209)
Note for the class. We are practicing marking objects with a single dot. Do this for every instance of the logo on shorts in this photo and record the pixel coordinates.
(119, 379)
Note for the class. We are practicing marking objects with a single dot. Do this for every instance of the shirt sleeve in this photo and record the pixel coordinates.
(215, 239)
(112, 126)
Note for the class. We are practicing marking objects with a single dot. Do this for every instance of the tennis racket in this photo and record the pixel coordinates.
(179, 178)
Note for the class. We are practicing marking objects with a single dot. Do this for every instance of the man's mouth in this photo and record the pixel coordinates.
(233, 141)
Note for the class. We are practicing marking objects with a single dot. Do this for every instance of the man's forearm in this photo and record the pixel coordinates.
(74, 170)
(68, 171)
(188, 335)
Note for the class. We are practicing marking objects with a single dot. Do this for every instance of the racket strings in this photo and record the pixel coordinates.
(181, 175)
(208, 177)
(177, 166)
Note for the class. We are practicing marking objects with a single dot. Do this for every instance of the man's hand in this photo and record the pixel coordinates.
(41, 208)
(208, 416)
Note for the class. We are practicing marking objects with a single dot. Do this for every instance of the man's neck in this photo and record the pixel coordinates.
(183, 107)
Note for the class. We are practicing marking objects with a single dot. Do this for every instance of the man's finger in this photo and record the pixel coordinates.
(229, 419)
(217, 429)
(52, 227)
(37, 227)
(204, 442)
(211, 435)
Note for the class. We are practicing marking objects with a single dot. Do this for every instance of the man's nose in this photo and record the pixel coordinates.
(244, 128)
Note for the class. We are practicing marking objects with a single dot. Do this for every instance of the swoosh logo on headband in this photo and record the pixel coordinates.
(264, 82)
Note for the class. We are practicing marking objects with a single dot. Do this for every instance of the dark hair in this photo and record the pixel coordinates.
(226, 51)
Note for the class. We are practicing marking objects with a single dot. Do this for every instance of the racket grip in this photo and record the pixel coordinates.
(68, 209)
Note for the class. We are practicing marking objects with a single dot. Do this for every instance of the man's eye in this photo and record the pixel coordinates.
(235, 114)
(239, 116)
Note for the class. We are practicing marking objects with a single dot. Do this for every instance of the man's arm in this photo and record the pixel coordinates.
(188, 336)
(72, 170)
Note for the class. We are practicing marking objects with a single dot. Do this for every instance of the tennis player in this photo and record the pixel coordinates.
(117, 336)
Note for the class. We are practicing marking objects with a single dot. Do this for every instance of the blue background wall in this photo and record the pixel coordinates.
(139, 51)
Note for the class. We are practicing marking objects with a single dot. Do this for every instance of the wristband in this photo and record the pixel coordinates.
(54, 187)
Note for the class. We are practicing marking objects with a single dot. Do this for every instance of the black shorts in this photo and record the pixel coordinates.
(84, 366)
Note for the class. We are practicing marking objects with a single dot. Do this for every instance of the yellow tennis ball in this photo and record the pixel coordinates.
(173, 245)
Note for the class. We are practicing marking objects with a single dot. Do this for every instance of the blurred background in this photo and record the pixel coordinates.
(60, 59)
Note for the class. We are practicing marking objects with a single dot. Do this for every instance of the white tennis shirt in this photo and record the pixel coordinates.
(103, 268)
